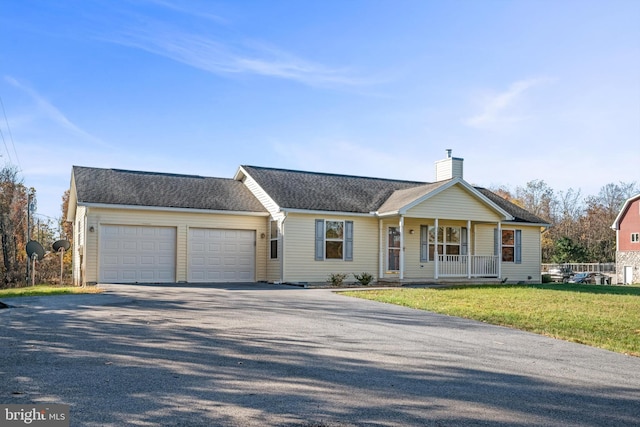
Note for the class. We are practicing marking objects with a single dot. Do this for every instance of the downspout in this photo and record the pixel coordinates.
(282, 239)
(83, 258)
(468, 249)
(499, 254)
(401, 247)
(380, 250)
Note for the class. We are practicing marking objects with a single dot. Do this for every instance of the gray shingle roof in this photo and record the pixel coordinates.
(288, 188)
(325, 192)
(520, 214)
(401, 198)
(123, 187)
(292, 189)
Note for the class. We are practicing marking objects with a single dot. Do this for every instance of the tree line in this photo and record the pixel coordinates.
(580, 226)
(20, 223)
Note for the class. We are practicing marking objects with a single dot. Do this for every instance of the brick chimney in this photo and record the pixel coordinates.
(448, 168)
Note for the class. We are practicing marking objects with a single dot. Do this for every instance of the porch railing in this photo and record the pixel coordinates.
(458, 265)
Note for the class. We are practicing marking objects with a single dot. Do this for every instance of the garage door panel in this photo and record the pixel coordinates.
(129, 231)
(112, 245)
(228, 255)
(130, 254)
(130, 260)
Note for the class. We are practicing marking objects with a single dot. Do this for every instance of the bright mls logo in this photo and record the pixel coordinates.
(34, 415)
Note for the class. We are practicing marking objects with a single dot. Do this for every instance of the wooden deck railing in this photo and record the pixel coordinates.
(458, 265)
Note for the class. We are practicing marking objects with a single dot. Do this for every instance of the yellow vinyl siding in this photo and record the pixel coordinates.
(483, 239)
(299, 246)
(274, 265)
(454, 203)
(78, 245)
(531, 257)
(182, 221)
(531, 251)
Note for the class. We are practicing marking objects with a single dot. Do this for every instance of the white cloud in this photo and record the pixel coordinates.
(235, 55)
(50, 112)
(499, 109)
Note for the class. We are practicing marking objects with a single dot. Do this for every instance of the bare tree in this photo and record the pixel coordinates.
(13, 226)
(585, 222)
(538, 198)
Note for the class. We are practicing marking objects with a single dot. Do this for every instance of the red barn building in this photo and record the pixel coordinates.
(627, 226)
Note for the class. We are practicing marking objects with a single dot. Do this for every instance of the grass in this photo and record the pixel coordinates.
(601, 316)
(44, 290)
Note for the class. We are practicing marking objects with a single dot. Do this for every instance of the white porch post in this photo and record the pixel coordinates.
(380, 251)
(468, 249)
(401, 247)
(499, 254)
(435, 250)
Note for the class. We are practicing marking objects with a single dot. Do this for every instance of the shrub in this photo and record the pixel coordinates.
(336, 279)
(546, 278)
(364, 279)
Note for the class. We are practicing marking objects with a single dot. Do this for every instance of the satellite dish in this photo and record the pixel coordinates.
(61, 244)
(35, 250)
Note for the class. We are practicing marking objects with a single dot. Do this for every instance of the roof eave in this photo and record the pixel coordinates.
(532, 224)
(172, 209)
(73, 199)
(323, 212)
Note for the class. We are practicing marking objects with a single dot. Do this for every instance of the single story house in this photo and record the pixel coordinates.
(627, 227)
(287, 226)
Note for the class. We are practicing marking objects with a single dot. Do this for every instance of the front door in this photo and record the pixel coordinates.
(393, 249)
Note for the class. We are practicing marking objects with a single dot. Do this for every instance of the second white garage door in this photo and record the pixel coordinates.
(218, 255)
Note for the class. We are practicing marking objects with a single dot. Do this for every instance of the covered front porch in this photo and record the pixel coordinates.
(423, 249)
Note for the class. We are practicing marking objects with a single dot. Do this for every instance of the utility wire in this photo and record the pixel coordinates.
(5, 145)
(4, 113)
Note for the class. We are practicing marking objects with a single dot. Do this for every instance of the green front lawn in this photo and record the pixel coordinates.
(41, 290)
(600, 316)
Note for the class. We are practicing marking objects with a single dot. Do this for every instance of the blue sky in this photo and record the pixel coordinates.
(522, 90)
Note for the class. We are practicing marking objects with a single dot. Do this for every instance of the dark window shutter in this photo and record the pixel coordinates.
(424, 243)
(319, 239)
(348, 240)
(464, 240)
(518, 251)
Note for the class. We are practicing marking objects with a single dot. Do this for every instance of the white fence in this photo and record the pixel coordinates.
(458, 265)
(593, 267)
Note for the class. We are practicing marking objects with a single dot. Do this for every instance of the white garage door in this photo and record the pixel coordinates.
(217, 255)
(130, 254)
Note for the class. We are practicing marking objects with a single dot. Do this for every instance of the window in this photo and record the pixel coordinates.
(510, 245)
(334, 240)
(273, 240)
(635, 237)
(451, 241)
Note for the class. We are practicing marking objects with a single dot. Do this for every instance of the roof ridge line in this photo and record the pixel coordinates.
(338, 175)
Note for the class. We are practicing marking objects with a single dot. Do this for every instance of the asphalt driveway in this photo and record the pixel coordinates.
(268, 355)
